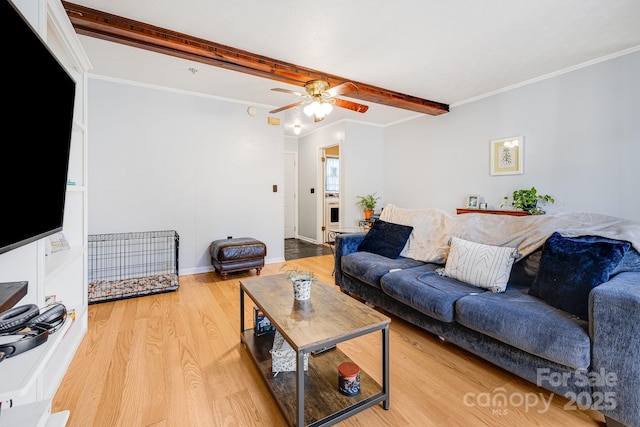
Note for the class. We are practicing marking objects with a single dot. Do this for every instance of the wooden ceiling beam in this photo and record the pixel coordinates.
(106, 26)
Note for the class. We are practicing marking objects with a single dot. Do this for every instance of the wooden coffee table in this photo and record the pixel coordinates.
(328, 318)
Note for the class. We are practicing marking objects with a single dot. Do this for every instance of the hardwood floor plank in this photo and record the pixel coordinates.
(175, 359)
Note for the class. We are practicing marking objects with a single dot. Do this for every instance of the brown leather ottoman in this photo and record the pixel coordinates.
(239, 254)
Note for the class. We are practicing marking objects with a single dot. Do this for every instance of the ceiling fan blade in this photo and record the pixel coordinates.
(354, 106)
(286, 107)
(293, 92)
(341, 89)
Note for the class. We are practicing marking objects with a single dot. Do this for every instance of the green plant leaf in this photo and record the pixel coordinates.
(368, 202)
(527, 200)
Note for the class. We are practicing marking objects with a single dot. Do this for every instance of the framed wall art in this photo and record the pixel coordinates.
(507, 156)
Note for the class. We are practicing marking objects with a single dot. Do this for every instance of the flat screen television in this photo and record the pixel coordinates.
(37, 119)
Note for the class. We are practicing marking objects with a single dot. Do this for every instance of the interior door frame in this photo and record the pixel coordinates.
(320, 197)
(296, 226)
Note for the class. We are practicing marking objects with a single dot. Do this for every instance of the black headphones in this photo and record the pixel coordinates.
(25, 327)
(51, 319)
(16, 318)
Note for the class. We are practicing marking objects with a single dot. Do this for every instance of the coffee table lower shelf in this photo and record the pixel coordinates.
(323, 403)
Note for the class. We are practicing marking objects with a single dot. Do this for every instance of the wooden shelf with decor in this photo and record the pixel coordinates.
(511, 212)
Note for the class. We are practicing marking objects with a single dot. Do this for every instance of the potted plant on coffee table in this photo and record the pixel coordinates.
(302, 281)
(368, 204)
(527, 200)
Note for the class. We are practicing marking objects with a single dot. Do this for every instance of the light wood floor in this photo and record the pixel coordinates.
(175, 359)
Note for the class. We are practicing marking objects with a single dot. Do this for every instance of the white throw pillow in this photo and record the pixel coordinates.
(480, 265)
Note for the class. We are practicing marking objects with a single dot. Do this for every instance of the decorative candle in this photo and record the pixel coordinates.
(349, 379)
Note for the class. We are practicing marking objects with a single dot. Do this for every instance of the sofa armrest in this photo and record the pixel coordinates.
(345, 245)
(615, 334)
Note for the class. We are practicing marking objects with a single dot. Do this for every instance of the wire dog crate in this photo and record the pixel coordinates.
(125, 265)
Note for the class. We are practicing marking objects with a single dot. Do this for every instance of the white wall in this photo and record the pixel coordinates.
(203, 166)
(162, 160)
(581, 145)
(361, 163)
(290, 143)
(310, 177)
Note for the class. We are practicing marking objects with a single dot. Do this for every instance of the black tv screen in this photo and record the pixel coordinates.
(37, 123)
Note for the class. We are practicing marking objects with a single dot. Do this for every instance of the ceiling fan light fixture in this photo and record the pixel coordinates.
(318, 108)
(297, 129)
(310, 109)
(320, 99)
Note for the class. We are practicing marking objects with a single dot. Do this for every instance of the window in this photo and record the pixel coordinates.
(332, 175)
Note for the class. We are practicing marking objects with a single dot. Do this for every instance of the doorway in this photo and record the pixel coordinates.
(290, 199)
(331, 190)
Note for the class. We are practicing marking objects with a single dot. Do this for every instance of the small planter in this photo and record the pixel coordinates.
(367, 204)
(528, 200)
(301, 280)
(301, 288)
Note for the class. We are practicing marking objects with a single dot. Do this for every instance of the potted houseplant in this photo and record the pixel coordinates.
(302, 281)
(527, 200)
(368, 204)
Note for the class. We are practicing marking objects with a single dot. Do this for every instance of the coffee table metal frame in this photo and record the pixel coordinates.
(340, 305)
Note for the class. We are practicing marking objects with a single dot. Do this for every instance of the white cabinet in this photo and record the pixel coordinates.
(31, 379)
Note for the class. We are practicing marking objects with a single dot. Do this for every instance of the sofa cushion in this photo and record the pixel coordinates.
(528, 323)
(570, 267)
(480, 265)
(427, 292)
(386, 239)
(369, 267)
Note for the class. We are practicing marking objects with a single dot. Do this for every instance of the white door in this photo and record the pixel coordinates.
(289, 195)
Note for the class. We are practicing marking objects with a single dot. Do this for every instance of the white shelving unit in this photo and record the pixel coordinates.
(36, 414)
(29, 381)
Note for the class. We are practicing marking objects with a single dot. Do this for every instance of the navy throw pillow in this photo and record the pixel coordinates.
(571, 266)
(386, 239)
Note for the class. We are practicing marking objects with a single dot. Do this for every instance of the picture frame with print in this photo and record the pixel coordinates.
(473, 201)
(507, 156)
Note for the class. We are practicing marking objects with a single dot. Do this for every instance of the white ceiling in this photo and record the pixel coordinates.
(446, 51)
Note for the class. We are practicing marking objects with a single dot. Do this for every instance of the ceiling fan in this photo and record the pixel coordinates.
(320, 99)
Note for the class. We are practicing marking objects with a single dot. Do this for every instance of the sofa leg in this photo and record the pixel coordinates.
(258, 271)
(225, 276)
(610, 422)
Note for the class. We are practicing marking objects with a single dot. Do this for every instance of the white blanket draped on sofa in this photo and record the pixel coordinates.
(433, 228)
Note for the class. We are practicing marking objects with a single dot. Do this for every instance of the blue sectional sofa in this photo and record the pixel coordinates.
(581, 341)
